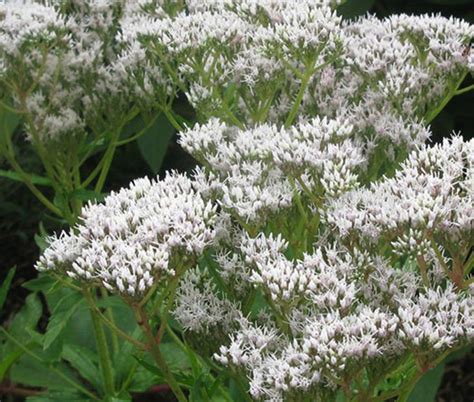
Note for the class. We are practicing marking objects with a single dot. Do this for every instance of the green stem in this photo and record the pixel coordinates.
(91, 147)
(440, 257)
(170, 70)
(228, 111)
(169, 305)
(139, 134)
(279, 317)
(157, 305)
(26, 179)
(423, 270)
(309, 193)
(105, 361)
(110, 317)
(40, 148)
(469, 264)
(107, 161)
(299, 97)
(464, 90)
(76, 203)
(156, 353)
(119, 332)
(306, 77)
(452, 92)
(149, 294)
(10, 108)
(297, 198)
(288, 65)
(172, 120)
(93, 174)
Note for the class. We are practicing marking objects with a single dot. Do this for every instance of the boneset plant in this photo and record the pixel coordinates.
(322, 251)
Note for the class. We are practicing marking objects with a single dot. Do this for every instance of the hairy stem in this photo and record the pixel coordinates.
(105, 361)
(452, 92)
(107, 162)
(154, 348)
(299, 97)
(423, 270)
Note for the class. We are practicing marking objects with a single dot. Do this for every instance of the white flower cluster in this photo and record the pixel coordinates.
(281, 278)
(135, 237)
(23, 22)
(431, 197)
(305, 290)
(201, 310)
(437, 319)
(339, 320)
(70, 69)
(249, 169)
(396, 73)
(242, 61)
(384, 77)
(333, 309)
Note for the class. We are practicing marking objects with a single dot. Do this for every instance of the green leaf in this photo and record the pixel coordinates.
(41, 237)
(26, 318)
(458, 354)
(122, 397)
(87, 195)
(43, 283)
(61, 316)
(9, 122)
(9, 360)
(355, 8)
(142, 379)
(41, 242)
(58, 396)
(198, 391)
(60, 200)
(229, 93)
(175, 357)
(340, 397)
(35, 179)
(79, 327)
(234, 391)
(150, 368)
(85, 362)
(32, 372)
(124, 365)
(111, 301)
(154, 143)
(427, 387)
(6, 286)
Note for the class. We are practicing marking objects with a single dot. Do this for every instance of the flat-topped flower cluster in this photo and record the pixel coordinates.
(322, 244)
(136, 237)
